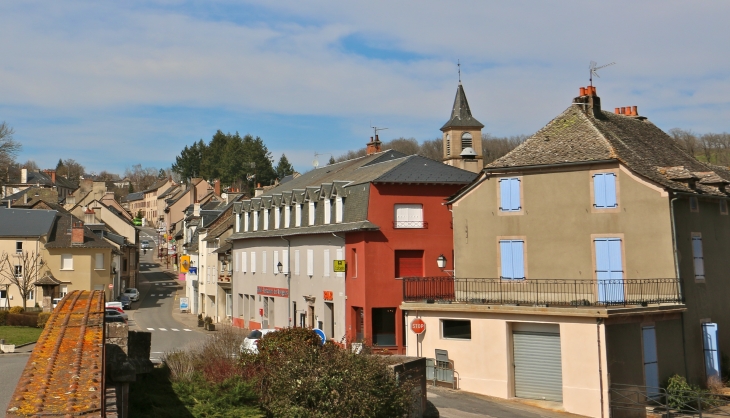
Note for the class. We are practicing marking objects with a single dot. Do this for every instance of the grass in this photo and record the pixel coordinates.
(19, 335)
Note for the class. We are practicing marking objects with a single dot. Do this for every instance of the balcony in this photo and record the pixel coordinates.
(410, 225)
(542, 292)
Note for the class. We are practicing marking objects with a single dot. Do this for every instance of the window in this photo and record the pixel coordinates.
(456, 328)
(64, 290)
(409, 263)
(235, 261)
(512, 259)
(266, 219)
(723, 207)
(252, 307)
(253, 261)
(287, 216)
(229, 304)
(67, 262)
(327, 211)
(246, 221)
(711, 349)
(312, 208)
(354, 263)
(609, 270)
(509, 195)
(277, 218)
(448, 145)
(310, 263)
(256, 221)
(99, 261)
(244, 262)
(296, 262)
(326, 263)
(409, 216)
(466, 141)
(651, 366)
(699, 260)
(19, 246)
(275, 268)
(604, 190)
(384, 326)
(30, 294)
(18, 272)
(338, 209)
(694, 205)
(298, 216)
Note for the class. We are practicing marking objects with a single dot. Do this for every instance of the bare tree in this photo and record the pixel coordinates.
(30, 165)
(22, 270)
(9, 149)
(141, 178)
(433, 149)
(495, 147)
(70, 169)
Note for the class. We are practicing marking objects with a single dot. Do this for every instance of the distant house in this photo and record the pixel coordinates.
(592, 255)
(39, 179)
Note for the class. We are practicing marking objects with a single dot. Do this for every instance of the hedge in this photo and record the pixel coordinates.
(22, 320)
(3, 317)
(43, 318)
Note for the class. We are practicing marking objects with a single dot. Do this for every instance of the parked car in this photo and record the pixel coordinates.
(251, 342)
(126, 302)
(137, 221)
(56, 301)
(117, 311)
(109, 317)
(145, 245)
(114, 305)
(133, 294)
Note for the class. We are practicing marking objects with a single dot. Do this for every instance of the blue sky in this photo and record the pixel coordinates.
(112, 84)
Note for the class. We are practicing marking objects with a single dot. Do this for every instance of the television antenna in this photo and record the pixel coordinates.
(315, 163)
(594, 70)
(376, 129)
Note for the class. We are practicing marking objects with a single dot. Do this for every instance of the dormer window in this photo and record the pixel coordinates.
(312, 208)
(327, 211)
(287, 216)
(339, 207)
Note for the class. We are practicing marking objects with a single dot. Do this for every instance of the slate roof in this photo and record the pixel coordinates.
(575, 137)
(460, 113)
(307, 230)
(26, 222)
(133, 196)
(422, 170)
(61, 237)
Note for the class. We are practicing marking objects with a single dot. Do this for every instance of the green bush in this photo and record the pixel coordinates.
(21, 320)
(298, 377)
(43, 318)
(17, 310)
(3, 317)
(234, 397)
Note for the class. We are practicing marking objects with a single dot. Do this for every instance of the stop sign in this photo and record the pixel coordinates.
(418, 326)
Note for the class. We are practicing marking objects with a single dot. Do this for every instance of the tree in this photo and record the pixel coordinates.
(433, 149)
(9, 149)
(30, 165)
(142, 178)
(70, 169)
(332, 160)
(162, 174)
(21, 270)
(283, 168)
(188, 163)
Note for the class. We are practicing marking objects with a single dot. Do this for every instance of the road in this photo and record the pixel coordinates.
(12, 366)
(159, 296)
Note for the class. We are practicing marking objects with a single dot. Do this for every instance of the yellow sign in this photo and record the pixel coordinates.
(340, 266)
(184, 264)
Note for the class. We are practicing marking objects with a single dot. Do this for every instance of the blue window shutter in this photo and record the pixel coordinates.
(504, 195)
(651, 366)
(518, 260)
(614, 260)
(603, 267)
(599, 190)
(505, 251)
(514, 189)
(710, 344)
(610, 184)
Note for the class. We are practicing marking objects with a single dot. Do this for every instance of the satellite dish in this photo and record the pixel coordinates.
(315, 163)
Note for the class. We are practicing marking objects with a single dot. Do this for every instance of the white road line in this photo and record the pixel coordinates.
(169, 295)
(150, 329)
(187, 329)
(163, 329)
(174, 329)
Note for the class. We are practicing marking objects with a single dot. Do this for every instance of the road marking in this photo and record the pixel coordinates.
(150, 329)
(187, 329)
(169, 295)
(174, 329)
(163, 329)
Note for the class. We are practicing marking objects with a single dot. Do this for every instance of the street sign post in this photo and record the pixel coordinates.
(418, 326)
(339, 266)
(321, 335)
(184, 304)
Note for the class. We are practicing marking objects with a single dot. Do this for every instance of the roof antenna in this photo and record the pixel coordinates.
(593, 69)
(458, 64)
(376, 129)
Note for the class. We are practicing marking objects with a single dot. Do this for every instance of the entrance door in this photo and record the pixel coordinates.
(310, 314)
(537, 362)
(329, 319)
(609, 270)
(651, 364)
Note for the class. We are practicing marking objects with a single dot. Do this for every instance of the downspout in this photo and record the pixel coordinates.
(676, 272)
(288, 277)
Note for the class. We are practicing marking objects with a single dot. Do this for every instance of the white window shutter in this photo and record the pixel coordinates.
(287, 216)
(296, 262)
(326, 266)
(245, 221)
(338, 209)
(298, 216)
(263, 262)
(275, 269)
(310, 262)
(285, 261)
(266, 219)
(327, 211)
(253, 261)
(311, 211)
(256, 221)
(244, 262)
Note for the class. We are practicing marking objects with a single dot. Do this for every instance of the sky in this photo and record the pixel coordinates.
(113, 84)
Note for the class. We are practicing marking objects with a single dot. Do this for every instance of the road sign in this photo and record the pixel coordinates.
(418, 326)
(321, 335)
(184, 263)
(184, 304)
(340, 266)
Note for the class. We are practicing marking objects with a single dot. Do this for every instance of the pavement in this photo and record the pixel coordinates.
(12, 365)
(459, 404)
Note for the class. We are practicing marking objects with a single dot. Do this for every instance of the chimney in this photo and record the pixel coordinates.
(373, 146)
(77, 232)
(196, 209)
(51, 174)
(259, 190)
(23, 176)
(589, 101)
(217, 187)
(89, 216)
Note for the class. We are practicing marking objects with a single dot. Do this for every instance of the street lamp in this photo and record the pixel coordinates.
(280, 267)
(441, 263)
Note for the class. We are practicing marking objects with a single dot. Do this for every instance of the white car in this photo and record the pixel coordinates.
(250, 343)
(133, 294)
(114, 312)
(145, 245)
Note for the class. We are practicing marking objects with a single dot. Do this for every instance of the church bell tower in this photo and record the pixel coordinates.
(462, 140)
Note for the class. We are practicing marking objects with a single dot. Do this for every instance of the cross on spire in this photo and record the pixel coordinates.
(458, 64)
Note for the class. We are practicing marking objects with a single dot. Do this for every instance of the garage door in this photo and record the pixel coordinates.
(538, 368)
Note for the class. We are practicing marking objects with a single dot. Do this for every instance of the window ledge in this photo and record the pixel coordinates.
(99, 269)
(66, 269)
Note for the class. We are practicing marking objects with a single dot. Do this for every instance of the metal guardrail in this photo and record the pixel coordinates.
(629, 400)
(568, 292)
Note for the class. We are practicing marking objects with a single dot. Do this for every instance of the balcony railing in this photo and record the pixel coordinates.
(410, 224)
(541, 292)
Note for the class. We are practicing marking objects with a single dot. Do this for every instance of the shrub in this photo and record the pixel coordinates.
(234, 397)
(22, 320)
(302, 378)
(43, 319)
(17, 310)
(181, 365)
(3, 317)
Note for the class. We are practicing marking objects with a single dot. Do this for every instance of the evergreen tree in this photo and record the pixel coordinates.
(162, 174)
(331, 161)
(187, 164)
(283, 168)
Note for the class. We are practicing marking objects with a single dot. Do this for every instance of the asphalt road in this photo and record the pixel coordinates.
(12, 366)
(159, 295)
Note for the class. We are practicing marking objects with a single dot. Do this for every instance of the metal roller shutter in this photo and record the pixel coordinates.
(538, 367)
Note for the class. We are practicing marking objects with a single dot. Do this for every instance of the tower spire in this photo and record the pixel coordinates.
(458, 64)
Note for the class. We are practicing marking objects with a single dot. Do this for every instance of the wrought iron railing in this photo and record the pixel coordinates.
(628, 400)
(568, 292)
(410, 225)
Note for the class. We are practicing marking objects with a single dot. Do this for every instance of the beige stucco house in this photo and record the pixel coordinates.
(591, 256)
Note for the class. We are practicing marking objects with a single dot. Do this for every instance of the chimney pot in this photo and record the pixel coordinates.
(634, 110)
(582, 91)
(623, 110)
(617, 111)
